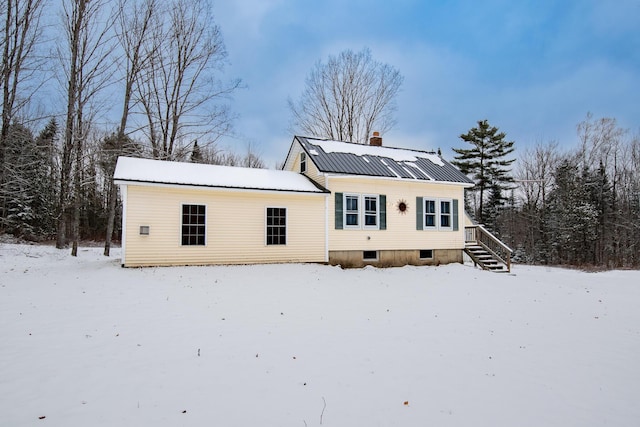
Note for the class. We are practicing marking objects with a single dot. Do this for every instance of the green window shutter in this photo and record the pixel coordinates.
(338, 211)
(419, 216)
(455, 214)
(383, 212)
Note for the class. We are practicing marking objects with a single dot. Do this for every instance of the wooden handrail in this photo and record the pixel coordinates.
(489, 242)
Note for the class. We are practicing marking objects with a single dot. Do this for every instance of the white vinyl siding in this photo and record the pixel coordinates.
(294, 160)
(397, 227)
(235, 227)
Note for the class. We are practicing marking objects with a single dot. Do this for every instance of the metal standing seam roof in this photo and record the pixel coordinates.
(351, 159)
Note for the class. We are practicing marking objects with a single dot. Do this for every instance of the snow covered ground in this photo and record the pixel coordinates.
(85, 342)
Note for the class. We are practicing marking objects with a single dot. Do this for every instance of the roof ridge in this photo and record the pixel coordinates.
(312, 138)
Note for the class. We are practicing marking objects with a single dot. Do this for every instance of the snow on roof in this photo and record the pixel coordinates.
(397, 154)
(165, 172)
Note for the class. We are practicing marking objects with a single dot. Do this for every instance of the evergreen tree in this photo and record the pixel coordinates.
(196, 154)
(29, 188)
(45, 181)
(573, 216)
(599, 193)
(18, 173)
(486, 162)
(495, 202)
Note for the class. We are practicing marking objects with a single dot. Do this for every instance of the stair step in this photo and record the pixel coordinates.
(480, 253)
(485, 259)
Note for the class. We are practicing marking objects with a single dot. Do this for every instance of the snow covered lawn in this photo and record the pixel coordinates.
(85, 342)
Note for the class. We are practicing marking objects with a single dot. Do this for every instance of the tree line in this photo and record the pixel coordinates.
(578, 207)
(134, 77)
(157, 67)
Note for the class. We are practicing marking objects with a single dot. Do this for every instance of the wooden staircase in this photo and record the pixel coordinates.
(487, 251)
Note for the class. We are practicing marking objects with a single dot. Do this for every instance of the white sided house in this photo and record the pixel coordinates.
(388, 206)
(194, 214)
(333, 202)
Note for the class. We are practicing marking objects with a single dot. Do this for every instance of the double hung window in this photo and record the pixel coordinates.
(430, 213)
(303, 162)
(361, 211)
(352, 210)
(437, 214)
(355, 211)
(445, 213)
(193, 225)
(276, 226)
(370, 211)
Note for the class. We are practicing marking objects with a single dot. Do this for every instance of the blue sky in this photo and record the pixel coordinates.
(532, 68)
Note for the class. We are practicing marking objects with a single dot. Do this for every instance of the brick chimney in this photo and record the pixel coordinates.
(376, 140)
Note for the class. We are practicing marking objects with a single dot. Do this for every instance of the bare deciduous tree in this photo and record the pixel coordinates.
(179, 90)
(133, 30)
(535, 180)
(21, 33)
(87, 68)
(535, 172)
(580, 207)
(347, 98)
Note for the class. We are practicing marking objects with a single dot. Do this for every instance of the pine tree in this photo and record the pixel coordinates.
(600, 195)
(45, 181)
(18, 175)
(486, 161)
(495, 202)
(572, 216)
(196, 154)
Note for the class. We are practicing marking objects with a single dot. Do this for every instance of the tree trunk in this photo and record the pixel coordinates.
(113, 197)
(134, 34)
(69, 134)
(77, 184)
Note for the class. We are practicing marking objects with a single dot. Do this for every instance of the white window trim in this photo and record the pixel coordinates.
(286, 225)
(303, 162)
(364, 224)
(206, 225)
(345, 211)
(424, 213)
(450, 226)
(438, 224)
(361, 212)
(430, 257)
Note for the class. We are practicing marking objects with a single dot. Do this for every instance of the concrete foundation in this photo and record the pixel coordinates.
(395, 258)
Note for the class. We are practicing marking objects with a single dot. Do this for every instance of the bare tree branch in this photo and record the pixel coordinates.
(347, 98)
(180, 94)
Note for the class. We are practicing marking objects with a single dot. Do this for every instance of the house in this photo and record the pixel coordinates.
(332, 202)
(389, 206)
(193, 214)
